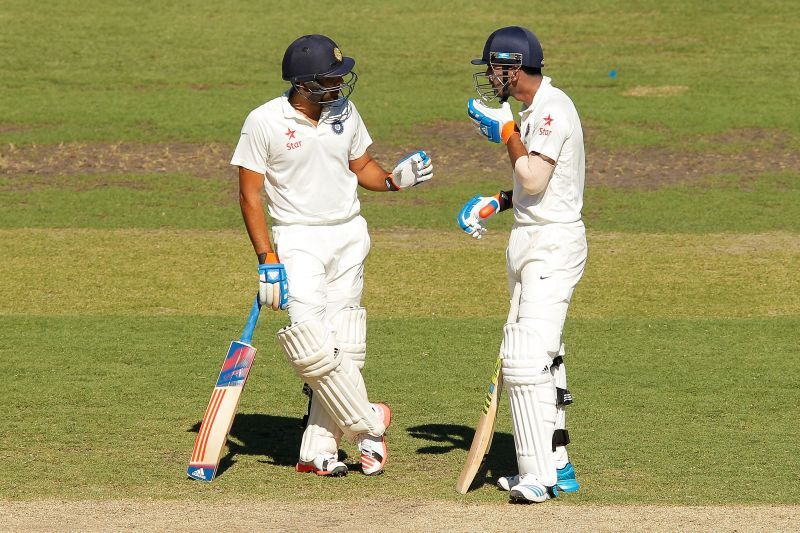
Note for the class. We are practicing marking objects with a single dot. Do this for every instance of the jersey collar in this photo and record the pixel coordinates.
(290, 112)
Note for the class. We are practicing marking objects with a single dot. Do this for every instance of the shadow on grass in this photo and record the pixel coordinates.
(445, 438)
(277, 437)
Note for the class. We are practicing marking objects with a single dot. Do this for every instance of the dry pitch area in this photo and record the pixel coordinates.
(454, 147)
(409, 515)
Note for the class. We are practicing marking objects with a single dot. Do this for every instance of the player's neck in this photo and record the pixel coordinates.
(303, 105)
(527, 91)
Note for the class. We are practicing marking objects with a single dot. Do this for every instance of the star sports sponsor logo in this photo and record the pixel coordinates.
(291, 145)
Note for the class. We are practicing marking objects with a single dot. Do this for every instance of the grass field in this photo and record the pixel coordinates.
(125, 269)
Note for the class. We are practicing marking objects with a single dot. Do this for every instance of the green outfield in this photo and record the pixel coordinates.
(125, 270)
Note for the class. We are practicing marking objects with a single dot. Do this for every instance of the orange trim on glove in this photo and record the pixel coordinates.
(271, 258)
(509, 129)
(489, 210)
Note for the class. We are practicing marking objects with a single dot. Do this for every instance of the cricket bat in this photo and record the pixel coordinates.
(221, 410)
(484, 431)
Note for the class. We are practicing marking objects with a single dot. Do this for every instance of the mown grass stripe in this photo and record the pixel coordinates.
(409, 273)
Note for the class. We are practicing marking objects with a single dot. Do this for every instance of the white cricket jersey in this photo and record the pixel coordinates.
(308, 178)
(551, 127)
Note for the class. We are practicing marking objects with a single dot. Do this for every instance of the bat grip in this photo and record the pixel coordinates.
(247, 334)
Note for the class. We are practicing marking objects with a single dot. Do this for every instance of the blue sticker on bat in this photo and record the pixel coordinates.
(237, 365)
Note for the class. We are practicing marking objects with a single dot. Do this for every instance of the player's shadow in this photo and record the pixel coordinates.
(444, 438)
(276, 437)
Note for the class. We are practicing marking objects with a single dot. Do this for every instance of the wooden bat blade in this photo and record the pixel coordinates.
(220, 412)
(483, 433)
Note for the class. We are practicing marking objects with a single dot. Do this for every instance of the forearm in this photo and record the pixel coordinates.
(516, 148)
(256, 224)
(250, 187)
(373, 177)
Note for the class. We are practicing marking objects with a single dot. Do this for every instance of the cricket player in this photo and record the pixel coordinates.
(546, 252)
(308, 149)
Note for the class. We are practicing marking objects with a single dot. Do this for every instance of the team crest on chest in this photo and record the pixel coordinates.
(337, 126)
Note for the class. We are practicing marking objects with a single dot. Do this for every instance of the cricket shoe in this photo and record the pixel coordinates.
(373, 449)
(530, 490)
(324, 464)
(566, 480)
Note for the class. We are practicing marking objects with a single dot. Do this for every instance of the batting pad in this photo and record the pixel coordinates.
(532, 396)
(322, 434)
(351, 335)
(311, 349)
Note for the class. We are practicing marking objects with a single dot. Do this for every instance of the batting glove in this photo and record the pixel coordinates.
(410, 172)
(273, 289)
(475, 212)
(495, 124)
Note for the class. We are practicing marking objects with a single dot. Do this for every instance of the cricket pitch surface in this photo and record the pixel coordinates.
(389, 515)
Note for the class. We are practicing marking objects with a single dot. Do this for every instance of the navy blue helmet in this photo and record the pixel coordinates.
(510, 49)
(312, 59)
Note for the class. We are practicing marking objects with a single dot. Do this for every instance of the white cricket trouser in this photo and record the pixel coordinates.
(324, 267)
(325, 271)
(548, 261)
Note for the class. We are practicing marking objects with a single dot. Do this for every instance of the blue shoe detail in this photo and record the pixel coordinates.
(566, 479)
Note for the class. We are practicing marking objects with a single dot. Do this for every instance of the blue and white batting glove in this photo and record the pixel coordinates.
(475, 212)
(495, 124)
(273, 289)
(410, 172)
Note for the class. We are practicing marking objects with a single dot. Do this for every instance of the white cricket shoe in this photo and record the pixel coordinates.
(566, 481)
(530, 490)
(324, 464)
(507, 483)
(373, 449)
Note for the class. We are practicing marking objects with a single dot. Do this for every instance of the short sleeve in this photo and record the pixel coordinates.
(361, 139)
(550, 130)
(253, 148)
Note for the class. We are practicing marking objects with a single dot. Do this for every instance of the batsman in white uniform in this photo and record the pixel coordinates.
(546, 251)
(309, 150)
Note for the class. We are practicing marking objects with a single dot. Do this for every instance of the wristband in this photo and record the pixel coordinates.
(265, 258)
(390, 183)
(509, 129)
(505, 199)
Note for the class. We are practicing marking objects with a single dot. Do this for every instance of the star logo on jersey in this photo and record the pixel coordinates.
(548, 120)
(290, 132)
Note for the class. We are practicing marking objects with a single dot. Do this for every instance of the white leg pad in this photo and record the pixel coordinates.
(351, 334)
(532, 396)
(311, 349)
(322, 434)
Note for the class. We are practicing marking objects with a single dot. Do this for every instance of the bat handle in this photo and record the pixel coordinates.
(247, 334)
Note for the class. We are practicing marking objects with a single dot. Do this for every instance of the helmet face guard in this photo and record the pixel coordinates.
(310, 88)
(493, 82)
